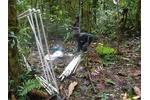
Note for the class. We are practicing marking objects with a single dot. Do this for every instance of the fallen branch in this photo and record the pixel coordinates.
(89, 74)
(65, 93)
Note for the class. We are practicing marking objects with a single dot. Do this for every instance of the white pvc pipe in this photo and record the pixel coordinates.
(37, 46)
(24, 13)
(37, 43)
(23, 16)
(40, 49)
(37, 25)
(79, 57)
(47, 49)
(43, 55)
(71, 66)
(31, 17)
(56, 90)
(44, 85)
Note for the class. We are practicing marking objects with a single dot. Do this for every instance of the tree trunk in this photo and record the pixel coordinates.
(138, 14)
(86, 16)
(95, 10)
(13, 67)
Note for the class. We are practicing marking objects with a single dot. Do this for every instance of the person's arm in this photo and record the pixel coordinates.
(89, 39)
(75, 27)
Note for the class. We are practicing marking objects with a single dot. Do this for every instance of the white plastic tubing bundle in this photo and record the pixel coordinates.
(48, 86)
(49, 76)
(71, 68)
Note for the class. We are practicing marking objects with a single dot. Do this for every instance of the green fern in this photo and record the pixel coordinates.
(29, 85)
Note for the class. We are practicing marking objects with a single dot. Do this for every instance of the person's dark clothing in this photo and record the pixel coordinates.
(82, 40)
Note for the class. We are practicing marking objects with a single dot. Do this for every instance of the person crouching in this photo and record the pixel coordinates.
(83, 41)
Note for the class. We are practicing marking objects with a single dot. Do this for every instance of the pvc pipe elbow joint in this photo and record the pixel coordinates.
(38, 11)
(34, 10)
(29, 10)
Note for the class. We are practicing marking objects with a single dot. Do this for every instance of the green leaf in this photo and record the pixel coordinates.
(29, 85)
(104, 96)
(130, 94)
(93, 69)
(60, 12)
(103, 50)
(110, 81)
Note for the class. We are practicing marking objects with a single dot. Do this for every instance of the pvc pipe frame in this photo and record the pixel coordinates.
(52, 75)
(39, 44)
(24, 14)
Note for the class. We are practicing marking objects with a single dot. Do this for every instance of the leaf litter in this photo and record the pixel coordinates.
(113, 79)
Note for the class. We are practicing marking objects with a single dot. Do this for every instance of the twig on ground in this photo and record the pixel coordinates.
(65, 93)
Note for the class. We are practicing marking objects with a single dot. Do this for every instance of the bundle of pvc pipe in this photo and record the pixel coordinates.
(48, 86)
(72, 66)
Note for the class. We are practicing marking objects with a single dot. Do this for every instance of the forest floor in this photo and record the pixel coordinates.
(119, 75)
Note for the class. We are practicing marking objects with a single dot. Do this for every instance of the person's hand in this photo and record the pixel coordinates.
(86, 44)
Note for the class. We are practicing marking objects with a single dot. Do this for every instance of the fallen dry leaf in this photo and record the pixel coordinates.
(61, 86)
(131, 74)
(137, 72)
(125, 97)
(94, 43)
(92, 54)
(137, 91)
(71, 88)
(124, 73)
(125, 51)
(94, 60)
(117, 78)
(136, 97)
